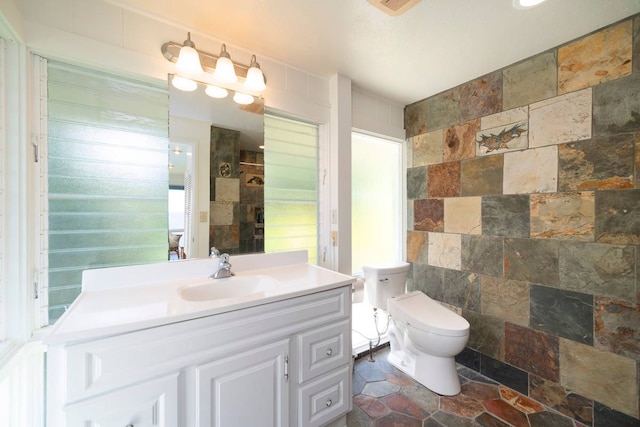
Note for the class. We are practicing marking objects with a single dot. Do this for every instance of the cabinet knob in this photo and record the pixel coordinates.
(329, 402)
(329, 352)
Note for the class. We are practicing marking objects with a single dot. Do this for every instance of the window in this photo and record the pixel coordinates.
(291, 186)
(376, 210)
(107, 178)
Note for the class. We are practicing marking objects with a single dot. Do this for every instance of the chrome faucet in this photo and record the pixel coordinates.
(224, 268)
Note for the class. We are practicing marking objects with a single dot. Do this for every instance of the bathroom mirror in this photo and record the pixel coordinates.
(216, 145)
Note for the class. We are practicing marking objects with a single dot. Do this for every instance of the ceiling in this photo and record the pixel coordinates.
(435, 45)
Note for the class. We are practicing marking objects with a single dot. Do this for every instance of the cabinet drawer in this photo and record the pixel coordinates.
(324, 399)
(324, 349)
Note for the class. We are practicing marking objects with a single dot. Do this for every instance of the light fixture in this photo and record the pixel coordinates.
(218, 73)
(184, 84)
(225, 71)
(216, 91)
(243, 98)
(189, 60)
(255, 79)
(526, 4)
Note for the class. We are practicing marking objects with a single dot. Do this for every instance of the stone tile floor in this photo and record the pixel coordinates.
(384, 397)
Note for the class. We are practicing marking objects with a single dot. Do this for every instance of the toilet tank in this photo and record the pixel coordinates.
(383, 281)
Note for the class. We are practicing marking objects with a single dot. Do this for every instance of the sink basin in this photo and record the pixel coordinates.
(230, 287)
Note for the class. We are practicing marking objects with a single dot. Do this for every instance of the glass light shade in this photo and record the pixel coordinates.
(189, 61)
(525, 4)
(216, 91)
(184, 84)
(225, 72)
(255, 80)
(243, 98)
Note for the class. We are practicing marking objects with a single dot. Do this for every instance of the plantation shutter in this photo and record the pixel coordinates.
(291, 186)
(108, 176)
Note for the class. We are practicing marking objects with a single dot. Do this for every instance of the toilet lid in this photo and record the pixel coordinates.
(423, 313)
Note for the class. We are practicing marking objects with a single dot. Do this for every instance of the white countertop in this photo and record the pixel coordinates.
(125, 299)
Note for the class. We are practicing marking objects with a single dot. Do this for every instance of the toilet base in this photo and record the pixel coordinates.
(438, 374)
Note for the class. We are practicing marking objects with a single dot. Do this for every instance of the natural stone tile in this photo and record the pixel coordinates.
(429, 400)
(372, 406)
(480, 391)
(617, 326)
(482, 176)
(461, 405)
(444, 419)
(427, 148)
(415, 118)
(486, 335)
(531, 171)
(358, 418)
(560, 399)
(604, 416)
(417, 247)
(529, 81)
(487, 420)
(443, 110)
(517, 400)
(597, 164)
(221, 213)
(417, 182)
(506, 412)
(618, 216)
(410, 219)
(462, 215)
(599, 375)
(616, 106)
(459, 141)
(598, 269)
(429, 280)
(534, 261)
(505, 131)
(402, 404)
(545, 419)
(444, 180)
(398, 378)
(380, 388)
(563, 216)
(507, 216)
(535, 352)
(505, 374)
(481, 97)
(482, 255)
(505, 299)
(565, 118)
(445, 250)
(594, 59)
(428, 215)
(370, 372)
(563, 313)
(636, 44)
(637, 159)
(462, 290)
(227, 190)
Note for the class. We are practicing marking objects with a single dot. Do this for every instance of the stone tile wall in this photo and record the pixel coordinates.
(524, 216)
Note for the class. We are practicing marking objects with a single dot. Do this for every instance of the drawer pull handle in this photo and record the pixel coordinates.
(329, 352)
(329, 402)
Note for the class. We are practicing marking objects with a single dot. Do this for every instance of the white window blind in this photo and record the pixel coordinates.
(107, 176)
(3, 144)
(291, 186)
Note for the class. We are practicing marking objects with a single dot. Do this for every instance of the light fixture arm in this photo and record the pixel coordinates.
(171, 51)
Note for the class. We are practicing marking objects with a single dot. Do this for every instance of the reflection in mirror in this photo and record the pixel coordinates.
(223, 185)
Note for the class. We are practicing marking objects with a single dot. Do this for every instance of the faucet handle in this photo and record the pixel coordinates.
(224, 258)
(214, 253)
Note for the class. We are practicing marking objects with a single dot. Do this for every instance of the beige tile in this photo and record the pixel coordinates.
(463, 215)
(504, 118)
(564, 216)
(531, 171)
(561, 119)
(505, 299)
(221, 213)
(599, 375)
(445, 250)
(428, 148)
(417, 248)
(227, 190)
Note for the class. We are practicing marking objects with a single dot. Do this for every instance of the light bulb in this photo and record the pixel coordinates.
(188, 59)
(216, 91)
(184, 84)
(526, 4)
(255, 79)
(243, 98)
(225, 72)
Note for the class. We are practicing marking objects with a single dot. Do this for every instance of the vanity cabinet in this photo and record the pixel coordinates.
(279, 364)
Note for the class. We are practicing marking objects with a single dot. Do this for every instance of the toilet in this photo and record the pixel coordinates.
(425, 336)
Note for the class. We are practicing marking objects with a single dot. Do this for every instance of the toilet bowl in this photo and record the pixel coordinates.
(425, 336)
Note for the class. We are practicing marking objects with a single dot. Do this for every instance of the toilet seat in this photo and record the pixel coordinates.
(423, 313)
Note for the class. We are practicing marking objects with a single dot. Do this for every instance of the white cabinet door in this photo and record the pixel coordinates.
(150, 404)
(246, 389)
